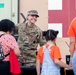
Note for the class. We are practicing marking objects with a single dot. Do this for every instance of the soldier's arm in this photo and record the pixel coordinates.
(42, 40)
(16, 29)
(15, 34)
(19, 42)
(19, 34)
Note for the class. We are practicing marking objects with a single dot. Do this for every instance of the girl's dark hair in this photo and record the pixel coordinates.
(50, 34)
(7, 25)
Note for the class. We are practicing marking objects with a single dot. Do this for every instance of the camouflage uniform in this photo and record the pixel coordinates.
(28, 40)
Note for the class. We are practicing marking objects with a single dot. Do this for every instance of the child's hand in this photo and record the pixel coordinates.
(70, 67)
(70, 63)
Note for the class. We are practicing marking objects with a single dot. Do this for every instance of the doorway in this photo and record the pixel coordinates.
(9, 10)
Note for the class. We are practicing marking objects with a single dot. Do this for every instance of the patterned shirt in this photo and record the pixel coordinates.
(8, 42)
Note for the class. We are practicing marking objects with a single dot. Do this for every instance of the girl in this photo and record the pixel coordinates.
(49, 56)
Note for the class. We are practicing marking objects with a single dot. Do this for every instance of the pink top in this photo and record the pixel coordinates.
(7, 42)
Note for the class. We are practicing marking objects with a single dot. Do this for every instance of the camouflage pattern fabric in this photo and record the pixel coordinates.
(28, 40)
(28, 58)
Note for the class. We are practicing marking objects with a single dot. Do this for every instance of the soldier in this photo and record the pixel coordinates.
(29, 36)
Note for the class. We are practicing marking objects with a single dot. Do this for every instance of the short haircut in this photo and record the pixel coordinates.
(7, 25)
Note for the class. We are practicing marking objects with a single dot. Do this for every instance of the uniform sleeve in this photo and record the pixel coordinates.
(20, 41)
(20, 34)
(40, 54)
(71, 31)
(72, 28)
(57, 54)
(41, 40)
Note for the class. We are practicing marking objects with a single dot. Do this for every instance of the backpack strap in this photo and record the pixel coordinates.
(48, 47)
(7, 53)
(2, 35)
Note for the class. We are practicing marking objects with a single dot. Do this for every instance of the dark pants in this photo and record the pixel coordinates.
(28, 70)
(5, 68)
(32, 70)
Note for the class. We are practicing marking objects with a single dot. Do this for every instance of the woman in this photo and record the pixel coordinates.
(7, 41)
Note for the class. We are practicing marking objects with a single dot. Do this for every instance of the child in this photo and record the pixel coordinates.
(49, 56)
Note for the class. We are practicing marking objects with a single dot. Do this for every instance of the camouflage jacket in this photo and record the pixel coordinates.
(29, 37)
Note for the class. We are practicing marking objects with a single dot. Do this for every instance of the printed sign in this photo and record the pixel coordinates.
(1, 5)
